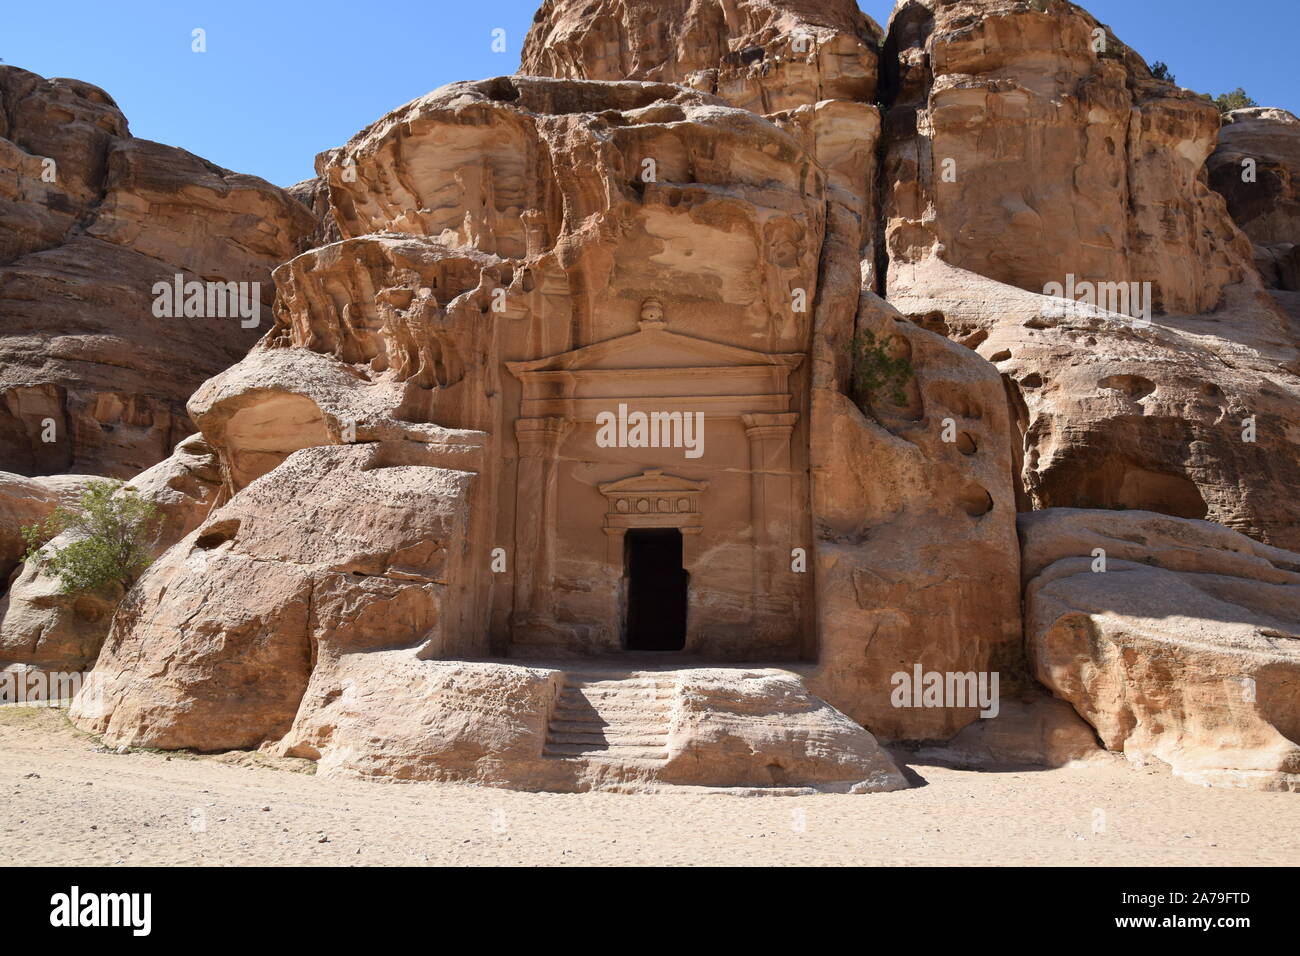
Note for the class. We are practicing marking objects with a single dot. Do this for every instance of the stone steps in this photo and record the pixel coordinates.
(600, 741)
(593, 727)
(568, 709)
(611, 719)
(611, 754)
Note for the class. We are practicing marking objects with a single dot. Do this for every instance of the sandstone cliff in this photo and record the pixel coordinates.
(91, 380)
(701, 208)
(1256, 166)
(1017, 155)
(756, 54)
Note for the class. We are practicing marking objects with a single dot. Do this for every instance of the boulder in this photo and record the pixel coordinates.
(1033, 730)
(26, 501)
(763, 728)
(43, 628)
(915, 516)
(340, 548)
(1177, 640)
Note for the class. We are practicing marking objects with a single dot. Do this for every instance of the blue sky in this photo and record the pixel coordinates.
(282, 79)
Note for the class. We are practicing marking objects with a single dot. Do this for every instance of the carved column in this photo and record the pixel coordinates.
(615, 541)
(771, 488)
(535, 518)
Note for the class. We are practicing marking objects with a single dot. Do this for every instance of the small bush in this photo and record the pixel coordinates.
(875, 371)
(1160, 70)
(1236, 100)
(110, 534)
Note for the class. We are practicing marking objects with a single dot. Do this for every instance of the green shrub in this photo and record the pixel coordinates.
(1236, 100)
(875, 371)
(109, 539)
(1160, 70)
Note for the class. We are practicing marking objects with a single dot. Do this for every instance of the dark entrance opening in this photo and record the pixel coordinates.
(656, 590)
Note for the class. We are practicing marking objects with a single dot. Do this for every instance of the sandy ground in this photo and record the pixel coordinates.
(64, 802)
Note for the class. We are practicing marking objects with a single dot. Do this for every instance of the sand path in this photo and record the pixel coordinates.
(94, 808)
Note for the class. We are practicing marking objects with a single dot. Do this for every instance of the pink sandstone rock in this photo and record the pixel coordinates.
(90, 219)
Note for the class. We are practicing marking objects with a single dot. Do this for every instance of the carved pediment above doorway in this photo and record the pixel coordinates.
(659, 368)
(655, 346)
(653, 499)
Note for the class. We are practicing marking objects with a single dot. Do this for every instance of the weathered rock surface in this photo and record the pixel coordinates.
(393, 342)
(759, 55)
(311, 612)
(1193, 417)
(339, 549)
(1031, 731)
(1256, 167)
(763, 728)
(1185, 650)
(392, 714)
(1024, 155)
(90, 219)
(25, 501)
(315, 195)
(1017, 156)
(402, 335)
(916, 553)
(425, 555)
(42, 628)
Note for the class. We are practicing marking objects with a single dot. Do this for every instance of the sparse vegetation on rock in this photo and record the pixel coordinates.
(105, 539)
(877, 373)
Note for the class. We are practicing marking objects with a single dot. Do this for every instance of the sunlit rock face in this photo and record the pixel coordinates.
(1027, 150)
(342, 547)
(526, 264)
(92, 378)
(41, 627)
(1026, 142)
(560, 466)
(1256, 166)
(1192, 417)
(1179, 641)
(756, 54)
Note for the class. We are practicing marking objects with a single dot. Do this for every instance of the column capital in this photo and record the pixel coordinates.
(541, 437)
(769, 424)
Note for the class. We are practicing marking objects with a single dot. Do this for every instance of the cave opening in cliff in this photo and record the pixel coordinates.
(656, 590)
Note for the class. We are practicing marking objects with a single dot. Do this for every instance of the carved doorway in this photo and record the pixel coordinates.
(656, 590)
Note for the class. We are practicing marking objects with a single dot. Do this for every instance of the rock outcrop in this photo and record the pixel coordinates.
(916, 553)
(1195, 417)
(760, 55)
(316, 614)
(459, 290)
(27, 501)
(1179, 641)
(1256, 167)
(1027, 143)
(340, 549)
(315, 195)
(424, 535)
(41, 627)
(1026, 146)
(92, 378)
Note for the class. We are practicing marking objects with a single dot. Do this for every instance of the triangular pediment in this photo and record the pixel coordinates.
(650, 481)
(654, 347)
